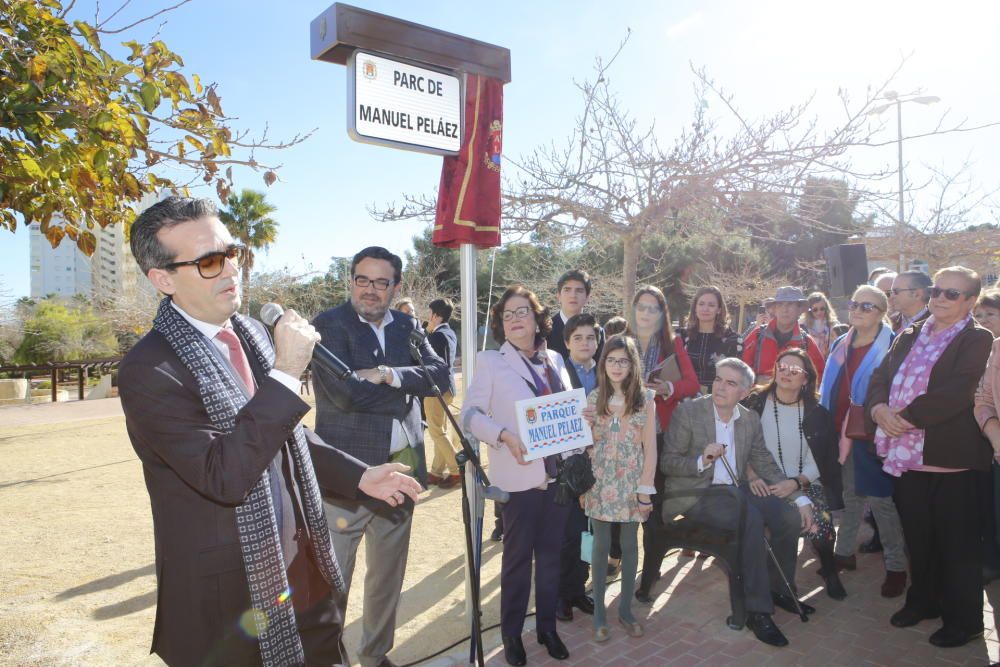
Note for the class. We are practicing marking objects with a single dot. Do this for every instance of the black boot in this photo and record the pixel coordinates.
(828, 571)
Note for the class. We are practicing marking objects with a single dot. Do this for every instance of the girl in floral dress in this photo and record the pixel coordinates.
(624, 462)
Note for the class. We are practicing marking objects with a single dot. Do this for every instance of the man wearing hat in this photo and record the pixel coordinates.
(762, 347)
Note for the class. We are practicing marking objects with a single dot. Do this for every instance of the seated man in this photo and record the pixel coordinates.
(702, 431)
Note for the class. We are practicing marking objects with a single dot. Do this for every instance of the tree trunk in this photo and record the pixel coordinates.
(630, 266)
(246, 287)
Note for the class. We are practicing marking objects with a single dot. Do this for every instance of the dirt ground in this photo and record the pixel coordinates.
(77, 582)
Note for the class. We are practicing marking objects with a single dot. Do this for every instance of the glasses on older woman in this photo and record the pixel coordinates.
(517, 313)
(863, 306)
(950, 294)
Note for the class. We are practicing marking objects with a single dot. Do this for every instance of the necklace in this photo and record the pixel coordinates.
(616, 422)
(777, 426)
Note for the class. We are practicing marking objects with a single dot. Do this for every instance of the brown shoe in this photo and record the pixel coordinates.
(434, 479)
(449, 481)
(894, 584)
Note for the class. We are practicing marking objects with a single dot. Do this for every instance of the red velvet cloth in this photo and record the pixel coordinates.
(468, 206)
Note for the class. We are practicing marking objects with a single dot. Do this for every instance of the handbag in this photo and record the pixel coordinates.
(575, 477)
(855, 429)
(587, 543)
(668, 370)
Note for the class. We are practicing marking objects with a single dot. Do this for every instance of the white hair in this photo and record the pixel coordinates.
(746, 373)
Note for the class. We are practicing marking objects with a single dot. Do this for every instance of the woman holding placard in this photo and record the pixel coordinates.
(534, 523)
(668, 372)
(624, 460)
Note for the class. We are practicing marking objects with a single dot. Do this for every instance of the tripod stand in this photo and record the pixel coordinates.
(467, 455)
(770, 551)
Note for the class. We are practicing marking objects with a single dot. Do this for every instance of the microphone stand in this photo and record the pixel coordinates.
(770, 551)
(467, 455)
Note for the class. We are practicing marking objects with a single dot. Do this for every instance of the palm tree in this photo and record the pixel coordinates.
(248, 220)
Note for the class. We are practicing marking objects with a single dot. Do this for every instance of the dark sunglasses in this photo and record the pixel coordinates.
(210, 264)
(950, 294)
(863, 306)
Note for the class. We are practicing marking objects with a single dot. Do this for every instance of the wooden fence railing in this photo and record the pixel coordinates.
(55, 368)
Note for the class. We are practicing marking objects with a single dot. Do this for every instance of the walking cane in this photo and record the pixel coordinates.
(770, 551)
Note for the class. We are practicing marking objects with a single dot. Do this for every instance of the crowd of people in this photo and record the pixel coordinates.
(890, 412)
(257, 521)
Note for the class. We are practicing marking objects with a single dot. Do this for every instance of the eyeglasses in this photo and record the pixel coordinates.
(863, 306)
(620, 362)
(899, 290)
(380, 284)
(950, 294)
(517, 313)
(643, 308)
(787, 368)
(210, 264)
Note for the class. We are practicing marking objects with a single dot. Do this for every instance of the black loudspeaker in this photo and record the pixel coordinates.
(846, 267)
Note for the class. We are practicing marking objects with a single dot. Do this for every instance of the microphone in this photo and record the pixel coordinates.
(270, 313)
(494, 493)
(417, 338)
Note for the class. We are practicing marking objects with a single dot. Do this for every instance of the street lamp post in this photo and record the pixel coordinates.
(896, 100)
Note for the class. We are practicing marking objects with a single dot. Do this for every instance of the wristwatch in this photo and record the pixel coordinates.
(383, 374)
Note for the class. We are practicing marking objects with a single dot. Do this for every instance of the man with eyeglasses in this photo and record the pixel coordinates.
(375, 417)
(212, 410)
(908, 299)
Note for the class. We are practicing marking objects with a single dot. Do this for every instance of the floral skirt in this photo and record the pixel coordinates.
(822, 517)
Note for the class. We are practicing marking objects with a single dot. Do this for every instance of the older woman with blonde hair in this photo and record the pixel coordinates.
(851, 363)
(922, 399)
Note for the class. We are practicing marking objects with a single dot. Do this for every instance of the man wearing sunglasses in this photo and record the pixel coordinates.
(908, 299)
(374, 416)
(212, 410)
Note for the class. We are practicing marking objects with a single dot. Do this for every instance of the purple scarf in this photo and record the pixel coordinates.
(906, 452)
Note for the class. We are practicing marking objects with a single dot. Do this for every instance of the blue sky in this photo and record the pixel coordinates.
(768, 54)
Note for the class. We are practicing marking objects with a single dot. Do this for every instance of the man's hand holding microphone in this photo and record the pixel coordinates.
(295, 341)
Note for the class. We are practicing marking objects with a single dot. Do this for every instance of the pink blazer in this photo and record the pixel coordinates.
(989, 389)
(501, 379)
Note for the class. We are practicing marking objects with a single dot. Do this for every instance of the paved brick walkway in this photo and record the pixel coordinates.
(686, 626)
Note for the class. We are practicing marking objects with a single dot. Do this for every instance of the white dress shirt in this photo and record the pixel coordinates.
(399, 440)
(212, 330)
(724, 435)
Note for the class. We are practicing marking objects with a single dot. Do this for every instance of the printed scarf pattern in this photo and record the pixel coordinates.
(255, 518)
(907, 451)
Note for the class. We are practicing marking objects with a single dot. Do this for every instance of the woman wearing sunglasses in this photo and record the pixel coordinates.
(799, 433)
(820, 320)
(663, 354)
(921, 397)
(850, 366)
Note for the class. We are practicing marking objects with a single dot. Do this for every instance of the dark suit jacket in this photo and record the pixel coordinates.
(555, 340)
(444, 341)
(952, 438)
(355, 415)
(691, 428)
(196, 475)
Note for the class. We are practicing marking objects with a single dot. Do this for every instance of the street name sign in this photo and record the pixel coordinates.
(398, 104)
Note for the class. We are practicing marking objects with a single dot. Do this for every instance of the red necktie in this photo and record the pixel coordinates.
(237, 357)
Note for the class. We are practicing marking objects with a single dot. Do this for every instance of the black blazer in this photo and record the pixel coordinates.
(952, 438)
(823, 440)
(555, 340)
(196, 476)
(444, 342)
(356, 416)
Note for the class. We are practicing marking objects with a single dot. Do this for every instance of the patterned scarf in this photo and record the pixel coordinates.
(255, 517)
(907, 451)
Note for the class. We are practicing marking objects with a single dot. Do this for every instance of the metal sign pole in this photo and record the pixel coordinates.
(470, 330)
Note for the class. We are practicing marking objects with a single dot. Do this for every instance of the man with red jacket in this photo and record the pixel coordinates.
(762, 346)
